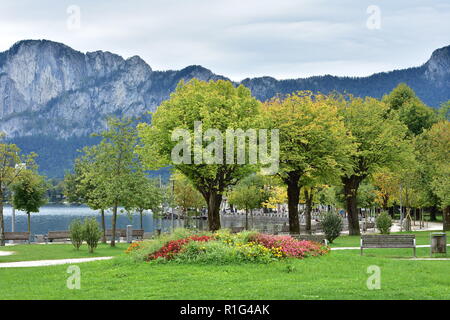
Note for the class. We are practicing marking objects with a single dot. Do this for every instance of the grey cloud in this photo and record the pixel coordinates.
(239, 39)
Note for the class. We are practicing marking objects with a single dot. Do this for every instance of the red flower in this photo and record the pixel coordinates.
(171, 248)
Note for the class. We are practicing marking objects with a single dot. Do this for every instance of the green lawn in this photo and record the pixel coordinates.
(339, 275)
(28, 252)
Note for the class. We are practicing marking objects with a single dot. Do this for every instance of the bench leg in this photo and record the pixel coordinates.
(414, 252)
(361, 250)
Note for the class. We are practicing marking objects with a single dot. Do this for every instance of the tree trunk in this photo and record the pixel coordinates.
(214, 200)
(102, 212)
(29, 226)
(446, 218)
(433, 212)
(293, 192)
(2, 222)
(141, 214)
(246, 219)
(113, 226)
(308, 202)
(351, 185)
(385, 202)
(391, 212)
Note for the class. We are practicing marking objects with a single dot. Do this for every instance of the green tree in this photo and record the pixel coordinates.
(111, 167)
(186, 196)
(146, 195)
(81, 186)
(412, 111)
(380, 143)
(29, 194)
(433, 148)
(250, 193)
(313, 142)
(12, 167)
(216, 106)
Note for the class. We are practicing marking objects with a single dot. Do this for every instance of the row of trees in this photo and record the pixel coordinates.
(328, 145)
(324, 140)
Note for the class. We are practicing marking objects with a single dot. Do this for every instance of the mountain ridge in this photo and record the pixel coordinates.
(50, 91)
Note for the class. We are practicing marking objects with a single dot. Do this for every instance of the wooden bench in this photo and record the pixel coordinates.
(388, 241)
(311, 237)
(237, 229)
(138, 233)
(17, 236)
(57, 235)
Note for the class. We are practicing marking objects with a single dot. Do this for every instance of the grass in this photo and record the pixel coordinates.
(339, 275)
(28, 252)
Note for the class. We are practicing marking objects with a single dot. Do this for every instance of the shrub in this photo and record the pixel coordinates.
(332, 226)
(384, 223)
(211, 252)
(91, 233)
(76, 233)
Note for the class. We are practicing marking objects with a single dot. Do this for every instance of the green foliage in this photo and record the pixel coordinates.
(186, 196)
(91, 233)
(433, 152)
(108, 175)
(384, 222)
(411, 110)
(332, 226)
(146, 195)
(217, 105)
(313, 138)
(13, 165)
(250, 193)
(29, 192)
(76, 233)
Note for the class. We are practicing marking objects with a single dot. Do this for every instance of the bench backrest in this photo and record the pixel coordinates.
(138, 233)
(388, 241)
(17, 235)
(119, 232)
(58, 235)
(237, 229)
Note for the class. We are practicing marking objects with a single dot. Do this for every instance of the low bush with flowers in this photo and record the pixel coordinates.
(286, 246)
(223, 247)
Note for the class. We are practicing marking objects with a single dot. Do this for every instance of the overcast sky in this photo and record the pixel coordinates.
(242, 38)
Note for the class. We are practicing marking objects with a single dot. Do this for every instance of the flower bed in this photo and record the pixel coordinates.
(224, 247)
(171, 248)
(286, 246)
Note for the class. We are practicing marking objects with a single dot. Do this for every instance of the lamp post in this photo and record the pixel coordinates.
(172, 180)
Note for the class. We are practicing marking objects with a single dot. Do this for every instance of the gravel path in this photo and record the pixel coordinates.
(44, 263)
(6, 253)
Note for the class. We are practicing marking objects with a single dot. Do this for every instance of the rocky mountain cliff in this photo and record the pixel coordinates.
(51, 94)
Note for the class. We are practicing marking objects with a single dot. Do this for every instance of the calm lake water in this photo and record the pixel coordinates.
(59, 217)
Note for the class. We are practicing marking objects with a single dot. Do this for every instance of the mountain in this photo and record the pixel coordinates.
(53, 97)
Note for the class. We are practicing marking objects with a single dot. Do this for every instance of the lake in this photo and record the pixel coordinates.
(59, 217)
